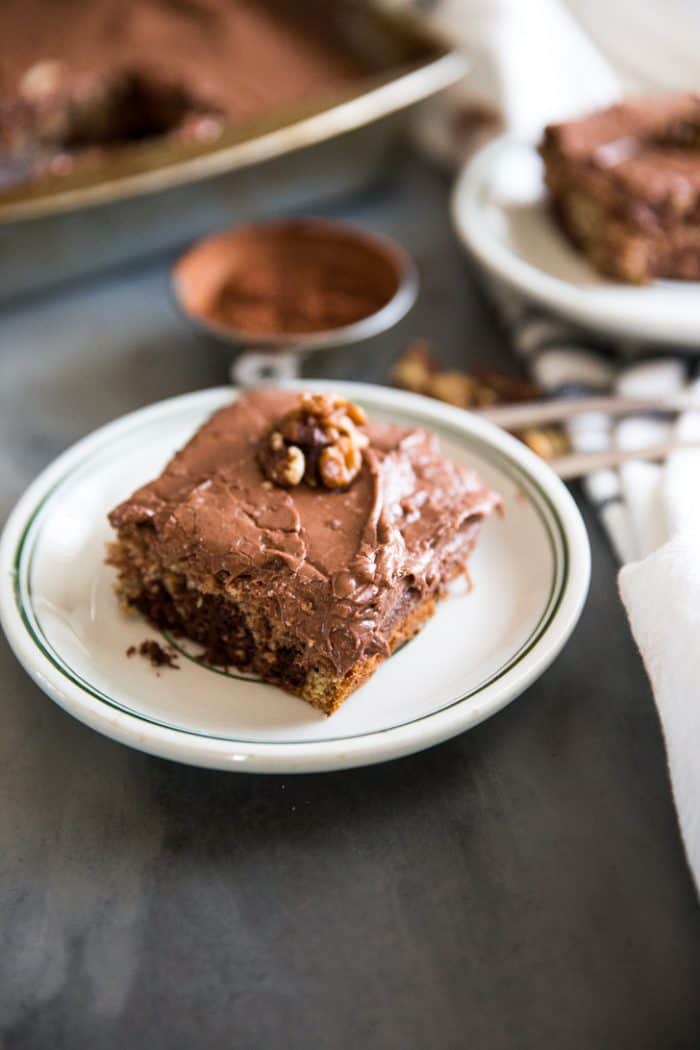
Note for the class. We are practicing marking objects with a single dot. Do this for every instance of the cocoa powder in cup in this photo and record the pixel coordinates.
(287, 278)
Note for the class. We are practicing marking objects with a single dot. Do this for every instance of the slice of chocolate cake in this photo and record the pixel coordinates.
(293, 539)
(625, 183)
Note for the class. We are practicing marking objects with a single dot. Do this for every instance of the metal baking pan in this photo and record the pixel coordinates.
(149, 198)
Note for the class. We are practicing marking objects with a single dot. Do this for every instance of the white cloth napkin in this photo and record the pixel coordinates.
(662, 595)
(652, 516)
(542, 61)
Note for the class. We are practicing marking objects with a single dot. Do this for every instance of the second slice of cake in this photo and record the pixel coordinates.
(294, 539)
(625, 184)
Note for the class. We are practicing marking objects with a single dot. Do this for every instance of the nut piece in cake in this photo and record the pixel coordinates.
(297, 540)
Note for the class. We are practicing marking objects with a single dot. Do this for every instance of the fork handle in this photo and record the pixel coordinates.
(535, 413)
(578, 464)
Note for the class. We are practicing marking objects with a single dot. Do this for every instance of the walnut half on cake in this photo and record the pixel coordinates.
(296, 540)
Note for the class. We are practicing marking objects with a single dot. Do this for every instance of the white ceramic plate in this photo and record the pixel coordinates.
(500, 211)
(482, 649)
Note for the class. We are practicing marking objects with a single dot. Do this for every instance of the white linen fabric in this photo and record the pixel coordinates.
(544, 60)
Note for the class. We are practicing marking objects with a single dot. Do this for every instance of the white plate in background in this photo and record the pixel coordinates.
(500, 211)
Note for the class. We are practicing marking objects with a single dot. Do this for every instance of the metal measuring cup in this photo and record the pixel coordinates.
(262, 359)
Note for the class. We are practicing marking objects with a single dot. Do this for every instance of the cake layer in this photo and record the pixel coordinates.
(623, 250)
(240, 634)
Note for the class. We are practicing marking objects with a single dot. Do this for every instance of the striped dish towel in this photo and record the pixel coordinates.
(565, 361)
(651, 513)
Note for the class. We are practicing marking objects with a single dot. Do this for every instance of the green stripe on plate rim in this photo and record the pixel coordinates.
(24, 555)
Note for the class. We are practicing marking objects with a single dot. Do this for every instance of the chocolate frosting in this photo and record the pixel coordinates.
(641, 119)
(333, 567)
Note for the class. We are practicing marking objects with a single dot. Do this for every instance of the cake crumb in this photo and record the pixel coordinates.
(158, 655)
